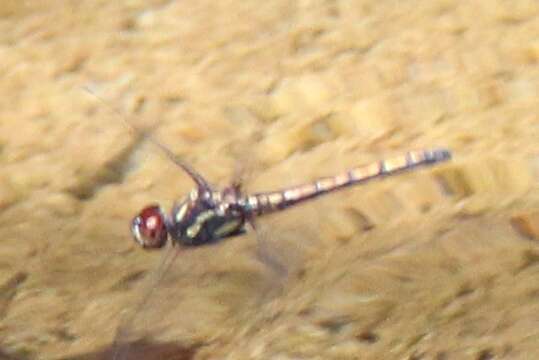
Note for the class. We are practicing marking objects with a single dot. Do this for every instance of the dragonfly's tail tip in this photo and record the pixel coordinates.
(441, 154)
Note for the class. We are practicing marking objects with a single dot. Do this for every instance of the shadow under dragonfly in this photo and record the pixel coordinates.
(141, 350)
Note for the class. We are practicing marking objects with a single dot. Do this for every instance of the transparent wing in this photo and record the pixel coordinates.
(195, 297)
(275, 244)
(143, 133)
(285, 240)
(127, 333)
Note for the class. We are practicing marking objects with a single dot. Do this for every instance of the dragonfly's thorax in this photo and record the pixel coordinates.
(206, 216)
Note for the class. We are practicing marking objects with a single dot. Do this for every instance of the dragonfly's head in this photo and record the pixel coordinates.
(149, 228)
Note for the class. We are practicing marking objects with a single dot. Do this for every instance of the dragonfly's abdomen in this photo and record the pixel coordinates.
(262, 203)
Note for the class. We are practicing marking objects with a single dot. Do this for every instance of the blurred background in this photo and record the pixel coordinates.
(440, 263)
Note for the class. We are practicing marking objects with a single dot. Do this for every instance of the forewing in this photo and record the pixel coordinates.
(135, 316)
(206, 293)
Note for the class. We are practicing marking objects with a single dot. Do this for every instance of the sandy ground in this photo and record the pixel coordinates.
(440, 264)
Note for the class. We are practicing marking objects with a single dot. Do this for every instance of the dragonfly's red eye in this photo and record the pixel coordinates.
(149, 228)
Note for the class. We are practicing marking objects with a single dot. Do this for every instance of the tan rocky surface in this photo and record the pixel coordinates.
(439, 264)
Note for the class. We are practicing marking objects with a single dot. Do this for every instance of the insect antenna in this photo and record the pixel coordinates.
(145, 135)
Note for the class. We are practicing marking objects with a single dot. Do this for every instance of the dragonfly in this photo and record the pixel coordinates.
(208, 215)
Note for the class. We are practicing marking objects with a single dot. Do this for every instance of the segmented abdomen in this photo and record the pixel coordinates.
(263, 203)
